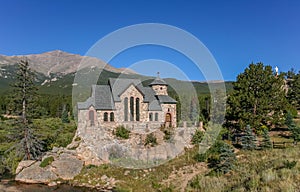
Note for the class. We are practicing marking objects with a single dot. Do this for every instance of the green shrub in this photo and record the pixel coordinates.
(200, 157)
(292, 110)
(289, 164)
(47, 161)
(168, 135)
(151, 140)
(197, 137)
(213, 161)
(122, 132)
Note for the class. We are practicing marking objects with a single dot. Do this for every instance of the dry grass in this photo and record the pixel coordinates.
(271, 170)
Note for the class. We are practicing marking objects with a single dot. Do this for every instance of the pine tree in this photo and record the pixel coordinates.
(227, 159)
(248, 139)
(258, 98)
(266, 142)
(295, 130)
(293, 82)
(289, 121)
(221, 157)
(65, 116)
(29, 147)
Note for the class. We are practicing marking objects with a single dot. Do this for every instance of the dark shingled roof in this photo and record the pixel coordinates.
(154, 106)
(85, 105)
(118, 86)
(158, 81)
(166, 99)
(151, 99)
(104, 96)
(101, 99)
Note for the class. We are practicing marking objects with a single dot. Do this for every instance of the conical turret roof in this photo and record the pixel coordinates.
(158, 81)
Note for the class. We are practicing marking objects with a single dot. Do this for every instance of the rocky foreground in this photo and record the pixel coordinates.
(60, 163)
(100, 147)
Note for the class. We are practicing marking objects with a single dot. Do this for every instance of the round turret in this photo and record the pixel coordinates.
(159, 86)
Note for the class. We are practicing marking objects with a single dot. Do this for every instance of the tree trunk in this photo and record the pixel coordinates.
(27, 152)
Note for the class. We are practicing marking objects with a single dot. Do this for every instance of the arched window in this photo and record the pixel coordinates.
(137, 109)
(156, 116)
(92, 117)
(126, 109)
(168, 117)
(150, 116)
(131, 108)
(105, 118)
(112, 116)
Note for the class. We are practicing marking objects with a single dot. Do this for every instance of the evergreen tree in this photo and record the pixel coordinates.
(248, 139)
(65, 116)
(227, 159)
(221, 157)
(258, 98)
(266, 142)
(293, 82)
(295, 130)
(29, 146)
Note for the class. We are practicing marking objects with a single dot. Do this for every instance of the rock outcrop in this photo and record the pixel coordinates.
(99, 146)
(65, 165)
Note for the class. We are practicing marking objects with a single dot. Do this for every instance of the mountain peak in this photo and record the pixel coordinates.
(56, 61)
(56, 51)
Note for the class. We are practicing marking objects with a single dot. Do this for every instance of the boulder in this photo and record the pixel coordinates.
(24, 164)
(36, 174)
(67, 168)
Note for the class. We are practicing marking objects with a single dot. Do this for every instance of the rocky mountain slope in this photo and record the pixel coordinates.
(57, 61)
(55, 72)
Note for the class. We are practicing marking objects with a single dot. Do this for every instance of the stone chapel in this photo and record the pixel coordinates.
(126, 102)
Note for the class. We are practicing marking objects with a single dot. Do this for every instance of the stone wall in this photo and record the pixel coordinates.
(160, 89)
(170, 108)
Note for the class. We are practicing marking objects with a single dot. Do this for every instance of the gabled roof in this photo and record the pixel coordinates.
(85, 105)
(137, 88)
(166, 99)
(104, 96)
(118, 86)
(101, 99)
(151, 99)
(149, 94)
(154, 106)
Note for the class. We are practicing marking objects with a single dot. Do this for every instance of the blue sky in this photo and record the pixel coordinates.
(236, 32)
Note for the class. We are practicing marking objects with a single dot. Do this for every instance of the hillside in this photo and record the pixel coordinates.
(55, 71)
(58, 62)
